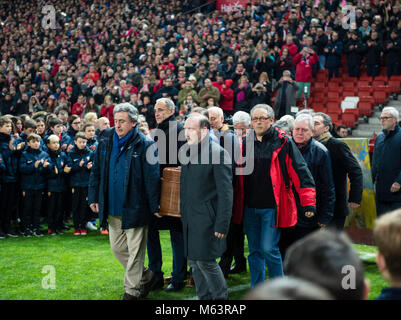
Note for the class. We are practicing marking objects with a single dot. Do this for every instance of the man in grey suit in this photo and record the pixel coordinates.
(206, 197)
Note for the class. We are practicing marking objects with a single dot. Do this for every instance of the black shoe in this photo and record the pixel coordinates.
(174, 287)
(27, 233)
(2, 235)
(59, 232)
(238, 268)
(37, 233)
(12, 233)
(127, 296)
(158, 283)
(65, 227)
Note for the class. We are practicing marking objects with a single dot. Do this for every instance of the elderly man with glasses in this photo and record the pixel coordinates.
(269, 199)
(386, 164)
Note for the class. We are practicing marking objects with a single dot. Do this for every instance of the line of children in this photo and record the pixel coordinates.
(42, 170)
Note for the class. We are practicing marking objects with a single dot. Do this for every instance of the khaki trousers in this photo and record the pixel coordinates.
(129, 247)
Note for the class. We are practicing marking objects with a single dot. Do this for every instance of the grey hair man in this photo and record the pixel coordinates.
(241, 123)
(343, 164)
(167, 136)
(318, 160)
(386, 162)
(124, 189)
(278, 164)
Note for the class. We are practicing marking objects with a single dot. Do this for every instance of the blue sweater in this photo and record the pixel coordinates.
(33, 178)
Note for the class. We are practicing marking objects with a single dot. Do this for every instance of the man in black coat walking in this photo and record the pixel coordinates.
(343, 164)
(166, 136)
(392, 48)
(206, 198)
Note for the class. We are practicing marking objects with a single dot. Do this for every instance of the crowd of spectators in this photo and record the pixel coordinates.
(105, 52)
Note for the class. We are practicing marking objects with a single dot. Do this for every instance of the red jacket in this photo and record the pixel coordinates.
(285, 156)
(304, 67)
(292, 49)
(226, 94)
(107, 111)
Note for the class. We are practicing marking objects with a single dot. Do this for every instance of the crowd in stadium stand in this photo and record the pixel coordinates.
(102, 53)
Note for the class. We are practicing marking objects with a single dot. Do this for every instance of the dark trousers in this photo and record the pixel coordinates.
(384, 207)
(80, 207)
(9, 196)
(292, 235)
(393, 69)
(337, 223)
(372, 70)
(235, 248)
(333, 72)
(55, 210)
(32, 204)
(354, 69)
(179, 273)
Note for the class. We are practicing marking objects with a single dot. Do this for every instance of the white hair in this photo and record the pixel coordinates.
(216, 109)
(393, 111)
(305, 118)
(270, 111)
(167, 102)
(242, 117)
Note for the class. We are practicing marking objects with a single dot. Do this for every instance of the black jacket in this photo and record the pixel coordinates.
(393, 53)
(386, 164)
(10, 158)
(354, 56)
(319, 164)
(344, 163)
(56, 182)
(33, 178)
(79, 175)
(373, 53)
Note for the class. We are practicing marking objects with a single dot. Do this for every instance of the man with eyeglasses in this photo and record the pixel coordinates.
(269, 199)
(386, 164)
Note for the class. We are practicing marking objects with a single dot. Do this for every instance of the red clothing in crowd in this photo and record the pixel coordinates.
(304, 67)
(226, 94)
(78, 108)
(107, 111)
(292, 49)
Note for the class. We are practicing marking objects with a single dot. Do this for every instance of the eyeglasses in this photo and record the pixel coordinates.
(385, 118)
(263, 119)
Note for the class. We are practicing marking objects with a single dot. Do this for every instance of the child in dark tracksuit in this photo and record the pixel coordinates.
(80, 161)
(9, 178)
(56, 185)
(33, 165)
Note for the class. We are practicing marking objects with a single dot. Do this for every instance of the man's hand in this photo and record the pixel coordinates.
(67, 169)
(89, 165)
(70, 148)
(81, 163)
(220, 235)
(45, 164)
(309, 214)
(157, 214)
(353, 205)
(94, 207)
(37, 163)
(395, 187)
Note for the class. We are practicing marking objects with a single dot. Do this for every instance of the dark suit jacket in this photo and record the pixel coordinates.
(206, 201)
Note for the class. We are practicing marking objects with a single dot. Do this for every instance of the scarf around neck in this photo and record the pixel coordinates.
(324, 137)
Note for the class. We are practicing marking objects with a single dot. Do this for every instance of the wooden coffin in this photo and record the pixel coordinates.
(170, 193)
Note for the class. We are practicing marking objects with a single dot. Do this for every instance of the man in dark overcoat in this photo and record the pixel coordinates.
(206, 197)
